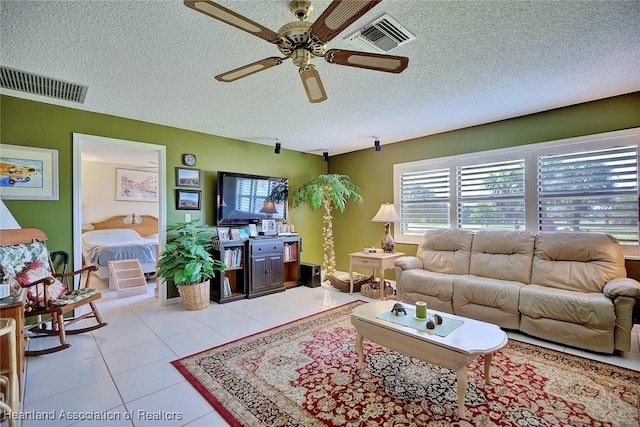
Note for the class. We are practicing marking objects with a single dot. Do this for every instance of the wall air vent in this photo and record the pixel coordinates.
(24, 81)
(382, 35)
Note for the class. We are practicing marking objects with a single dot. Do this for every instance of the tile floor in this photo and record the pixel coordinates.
(124, 368)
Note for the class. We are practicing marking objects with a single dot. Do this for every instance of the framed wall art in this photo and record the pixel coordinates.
(187, 177)
(188, 199)
(28, 173)
(136, 185)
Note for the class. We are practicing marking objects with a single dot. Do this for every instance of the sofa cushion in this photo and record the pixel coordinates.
(490, 300)
(446, 250)
(576, 261)
(504, 255)
(422, 285)
(592, 310)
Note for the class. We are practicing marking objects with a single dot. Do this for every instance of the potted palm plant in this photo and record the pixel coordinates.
(187, 262)
(327, 192)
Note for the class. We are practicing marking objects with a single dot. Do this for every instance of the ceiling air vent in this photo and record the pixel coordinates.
(382, 35)
(13, 79)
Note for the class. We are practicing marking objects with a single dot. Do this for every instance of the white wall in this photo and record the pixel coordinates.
(99, 194)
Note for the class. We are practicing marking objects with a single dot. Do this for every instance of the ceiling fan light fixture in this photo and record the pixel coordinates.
(301, 41)
(301, 57)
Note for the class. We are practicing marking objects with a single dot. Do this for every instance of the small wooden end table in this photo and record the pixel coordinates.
(13, 308)
(379, 261)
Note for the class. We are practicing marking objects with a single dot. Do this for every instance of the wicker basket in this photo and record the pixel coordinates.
(372, 290)
(340, 280)
(195, 297)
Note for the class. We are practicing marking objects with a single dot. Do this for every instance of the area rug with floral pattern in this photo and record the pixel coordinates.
(304, 374)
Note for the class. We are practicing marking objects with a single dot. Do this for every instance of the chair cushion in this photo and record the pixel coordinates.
(34, 272)
(74, 296)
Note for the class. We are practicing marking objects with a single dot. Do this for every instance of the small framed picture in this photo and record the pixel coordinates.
(269, 226)
(244, 233)
(188, 199)
(235, 234)
(187, 177)
(223, 234)
(253, 230)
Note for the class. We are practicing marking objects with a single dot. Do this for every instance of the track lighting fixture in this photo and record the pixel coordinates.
(277, 149)
(326, 156)
(376, 144)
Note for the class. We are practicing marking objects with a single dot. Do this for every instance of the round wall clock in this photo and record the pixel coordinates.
(189, 159)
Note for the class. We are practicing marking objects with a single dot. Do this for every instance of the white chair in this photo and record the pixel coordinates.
(9, 376)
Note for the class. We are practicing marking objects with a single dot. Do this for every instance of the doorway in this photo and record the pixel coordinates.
(132, 153)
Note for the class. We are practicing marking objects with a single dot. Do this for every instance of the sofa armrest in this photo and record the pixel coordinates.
(625, 287)
(408, 263)
(623, 292)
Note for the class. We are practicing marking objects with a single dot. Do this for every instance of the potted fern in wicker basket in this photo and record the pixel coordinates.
(187, 262)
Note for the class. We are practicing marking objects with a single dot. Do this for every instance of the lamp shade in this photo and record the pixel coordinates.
(386, 213)
(7, 221)
(269, 207)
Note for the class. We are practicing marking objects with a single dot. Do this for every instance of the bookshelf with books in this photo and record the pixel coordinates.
(230, 285)
(291, 248)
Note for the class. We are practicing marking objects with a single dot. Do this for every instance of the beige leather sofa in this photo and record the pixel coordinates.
(567, 287)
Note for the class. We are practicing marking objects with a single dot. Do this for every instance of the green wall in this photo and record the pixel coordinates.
(373, 171)
(42, 125)
(36, 124)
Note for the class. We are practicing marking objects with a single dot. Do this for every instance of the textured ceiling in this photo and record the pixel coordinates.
(473, 62)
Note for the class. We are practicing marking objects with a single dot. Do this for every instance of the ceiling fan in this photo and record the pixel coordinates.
(302, 40)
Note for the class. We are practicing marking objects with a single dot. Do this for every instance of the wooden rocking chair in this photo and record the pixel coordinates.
(25, 261)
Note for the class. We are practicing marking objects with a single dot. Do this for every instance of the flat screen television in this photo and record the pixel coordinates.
(248, 199)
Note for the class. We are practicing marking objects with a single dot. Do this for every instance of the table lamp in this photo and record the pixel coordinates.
(7, 221)
(269, 208)
(387, 214)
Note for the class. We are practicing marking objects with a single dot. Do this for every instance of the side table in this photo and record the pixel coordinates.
(379, 261)
(13, 308)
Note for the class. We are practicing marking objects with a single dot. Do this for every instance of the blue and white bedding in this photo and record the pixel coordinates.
(101, 246)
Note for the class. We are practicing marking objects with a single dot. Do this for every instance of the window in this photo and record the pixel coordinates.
(424, 200)
(590, 191)
(579, 184)
(491, 195)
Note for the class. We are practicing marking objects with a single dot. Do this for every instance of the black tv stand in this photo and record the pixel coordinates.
(256, 266)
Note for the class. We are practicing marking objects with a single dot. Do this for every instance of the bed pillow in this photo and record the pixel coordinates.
(34, 272)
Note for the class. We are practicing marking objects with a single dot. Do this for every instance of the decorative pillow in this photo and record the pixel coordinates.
(14, 259)
(34, 272)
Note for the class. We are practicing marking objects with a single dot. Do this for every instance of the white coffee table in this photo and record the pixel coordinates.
(454, 351)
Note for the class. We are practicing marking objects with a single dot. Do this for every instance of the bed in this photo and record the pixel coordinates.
(121, 237)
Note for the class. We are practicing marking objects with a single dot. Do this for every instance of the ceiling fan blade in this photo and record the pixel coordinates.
(248, 69)
(227, 16)
(338, 16)
(312, 84)
(370, 61)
